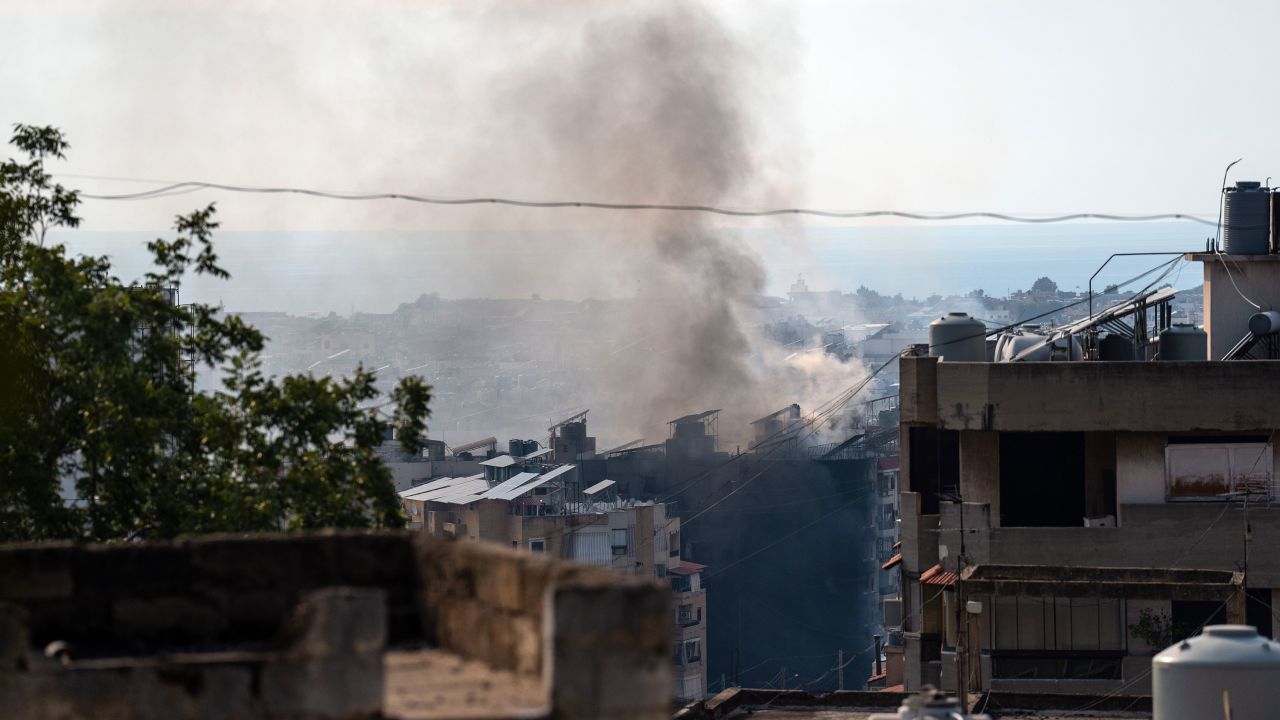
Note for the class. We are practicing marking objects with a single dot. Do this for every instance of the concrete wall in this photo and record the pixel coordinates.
(1091, 396)
(1140, 468)
(1227, 314)
(598, 642)
(1204, 536)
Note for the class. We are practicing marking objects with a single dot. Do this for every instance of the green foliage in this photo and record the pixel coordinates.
(1159, 630)
(97, 391)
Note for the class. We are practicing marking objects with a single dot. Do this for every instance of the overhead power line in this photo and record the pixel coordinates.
(193, 186)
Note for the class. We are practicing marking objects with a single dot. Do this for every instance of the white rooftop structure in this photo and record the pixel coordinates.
(499, 462)
(499, 491)
(599, 486)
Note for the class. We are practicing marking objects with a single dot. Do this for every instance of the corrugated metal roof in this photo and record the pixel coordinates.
(892, 562)
(499, 462)
(599, 486)
(541, 453)
(937, 576)
(499, 491)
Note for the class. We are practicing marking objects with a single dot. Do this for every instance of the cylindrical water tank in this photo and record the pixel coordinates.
(1115, 348)
(1226, 666)
(1246, 219)
(958, 337)
(1032, 345)
(1184, 342)
(1265, 322)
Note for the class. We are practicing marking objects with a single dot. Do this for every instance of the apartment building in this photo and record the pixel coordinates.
(1064, 520)
(530, 505)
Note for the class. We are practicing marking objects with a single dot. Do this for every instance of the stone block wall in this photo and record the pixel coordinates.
(296, 626)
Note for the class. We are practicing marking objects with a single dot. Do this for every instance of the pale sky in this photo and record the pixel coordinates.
(1012, 106)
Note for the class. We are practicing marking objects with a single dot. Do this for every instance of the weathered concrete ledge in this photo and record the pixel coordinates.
(291, 626)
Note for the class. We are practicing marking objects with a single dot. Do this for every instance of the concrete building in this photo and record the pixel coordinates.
(532, 506)
(1062, 521)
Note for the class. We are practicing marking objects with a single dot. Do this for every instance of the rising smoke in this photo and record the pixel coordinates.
(654, 102)
(663, 102)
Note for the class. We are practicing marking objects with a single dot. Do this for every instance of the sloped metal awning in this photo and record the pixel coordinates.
(599, 486)
(430, 486)
(499, 462)
(499, 491)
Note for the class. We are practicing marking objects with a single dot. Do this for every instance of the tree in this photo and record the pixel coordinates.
(98, 399)
(1044, 285)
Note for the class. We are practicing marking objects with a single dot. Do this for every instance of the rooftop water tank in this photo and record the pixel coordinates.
(958, 337)
(1030, 344)
(1116, 348)
(1183, 342)
(1246, 219)
(1265, 322)
(1227, 665)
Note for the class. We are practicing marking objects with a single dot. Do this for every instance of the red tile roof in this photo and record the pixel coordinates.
(892, 562)
(686, 568)
(937, 576)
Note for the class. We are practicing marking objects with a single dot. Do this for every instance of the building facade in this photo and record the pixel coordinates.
(532, 506)
(1062, 521)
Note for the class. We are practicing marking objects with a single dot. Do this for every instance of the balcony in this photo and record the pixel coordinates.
(1056, 665)
(1150, 536)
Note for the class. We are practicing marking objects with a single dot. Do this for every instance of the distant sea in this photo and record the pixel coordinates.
(319, 272)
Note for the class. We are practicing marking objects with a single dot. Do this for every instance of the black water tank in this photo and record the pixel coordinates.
(1246, 219)
(1116, 348)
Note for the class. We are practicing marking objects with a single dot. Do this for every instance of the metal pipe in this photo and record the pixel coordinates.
(1113, 257)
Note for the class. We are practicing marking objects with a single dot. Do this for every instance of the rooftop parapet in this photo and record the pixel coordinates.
(332, 625)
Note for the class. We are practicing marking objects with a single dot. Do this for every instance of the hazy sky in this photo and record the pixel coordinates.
(1013, 106)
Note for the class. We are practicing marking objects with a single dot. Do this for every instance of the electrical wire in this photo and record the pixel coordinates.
(182, 187)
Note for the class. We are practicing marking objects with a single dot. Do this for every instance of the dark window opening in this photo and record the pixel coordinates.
(935, 465)
(1032, 664)
(1258, 611)
(1042, 479)
(1188, 617)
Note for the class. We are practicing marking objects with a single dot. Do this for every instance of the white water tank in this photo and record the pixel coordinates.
(958, 337)
(1227, 665)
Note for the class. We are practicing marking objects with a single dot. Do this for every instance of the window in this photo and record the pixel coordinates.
(1060, 638)
(673, 542)
(538, 545)
(684, 613)
(1210, 471)
(692, 650)
(1042, 479)
(618, 540)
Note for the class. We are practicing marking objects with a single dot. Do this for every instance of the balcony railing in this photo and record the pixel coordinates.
(1056, 664)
